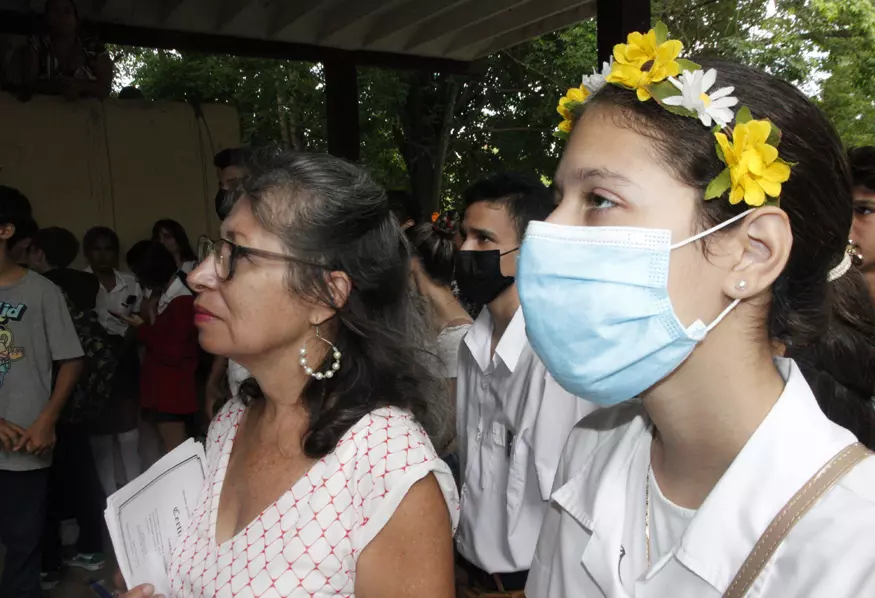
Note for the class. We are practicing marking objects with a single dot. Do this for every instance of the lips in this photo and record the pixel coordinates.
(203, 315)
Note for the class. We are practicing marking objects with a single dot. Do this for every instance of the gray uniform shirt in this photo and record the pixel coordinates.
(35, 330)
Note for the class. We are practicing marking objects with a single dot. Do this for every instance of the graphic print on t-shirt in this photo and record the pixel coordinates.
(9, 353)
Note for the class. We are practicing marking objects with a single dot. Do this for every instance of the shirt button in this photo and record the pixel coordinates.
(479, 436)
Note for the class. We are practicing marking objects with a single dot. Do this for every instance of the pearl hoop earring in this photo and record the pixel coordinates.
(741, 285)
(334, 366)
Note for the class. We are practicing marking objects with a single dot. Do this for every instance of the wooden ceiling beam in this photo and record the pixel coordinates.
(548, 25)
(349, 13)
(459, 17)
(510, 20)
(405, 16)
(167, 8)
(286, 13)
(228, 11)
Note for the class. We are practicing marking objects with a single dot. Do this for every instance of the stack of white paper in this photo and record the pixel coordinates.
(147, 517)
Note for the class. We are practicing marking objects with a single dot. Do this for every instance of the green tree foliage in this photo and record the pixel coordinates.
(436, 134)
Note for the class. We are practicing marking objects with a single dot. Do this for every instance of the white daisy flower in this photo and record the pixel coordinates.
(694, 96)
(596, 81)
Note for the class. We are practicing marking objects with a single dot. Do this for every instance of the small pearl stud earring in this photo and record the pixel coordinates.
(741, 285)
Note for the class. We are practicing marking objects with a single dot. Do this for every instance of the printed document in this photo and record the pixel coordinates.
(147, 517)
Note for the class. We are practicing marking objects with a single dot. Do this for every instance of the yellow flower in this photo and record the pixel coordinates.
(566, 125)
(642, 61)
(755, 170)
(575, 95)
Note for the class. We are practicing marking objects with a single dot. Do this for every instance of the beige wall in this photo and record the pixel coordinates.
(119, 163)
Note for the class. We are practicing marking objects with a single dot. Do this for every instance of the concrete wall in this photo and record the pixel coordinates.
(119, 163)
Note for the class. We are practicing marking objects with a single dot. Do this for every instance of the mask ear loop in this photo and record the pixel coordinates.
(712, 230)
(722, 315)
(703, 234)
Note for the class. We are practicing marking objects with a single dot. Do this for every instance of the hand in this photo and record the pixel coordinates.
(131, 320)
(9, 434)
(39, 438)
(141, 591)
(149, 311)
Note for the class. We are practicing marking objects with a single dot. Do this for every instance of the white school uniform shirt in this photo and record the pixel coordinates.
(176, 289)
(593, 543)
(188, 266)
(513, 419)
(116, 301)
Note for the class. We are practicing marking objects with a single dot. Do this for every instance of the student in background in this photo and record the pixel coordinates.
(225, 376)
(167, 385)
(230, 169)
(73, 479)
(36, 336)
(513, 418)
(172, 235)
(120, 294)
(19, 245)
(862, 161)
(434, 255)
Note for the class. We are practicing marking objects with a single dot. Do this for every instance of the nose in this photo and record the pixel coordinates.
(564, 214)
(203, 277)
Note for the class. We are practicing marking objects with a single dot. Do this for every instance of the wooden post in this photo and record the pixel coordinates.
(342, 108)
(616, 19)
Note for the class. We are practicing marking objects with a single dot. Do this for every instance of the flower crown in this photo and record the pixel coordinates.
(650, 64)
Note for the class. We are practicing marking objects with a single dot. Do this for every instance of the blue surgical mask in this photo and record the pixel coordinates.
(597, 309)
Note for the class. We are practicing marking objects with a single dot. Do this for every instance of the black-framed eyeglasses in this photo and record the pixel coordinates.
(225, 255)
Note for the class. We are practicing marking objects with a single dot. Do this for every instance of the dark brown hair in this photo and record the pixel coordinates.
(433, 243)
(829, 326)
(331, 214)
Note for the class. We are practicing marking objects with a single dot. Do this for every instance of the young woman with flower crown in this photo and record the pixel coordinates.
(695, 228)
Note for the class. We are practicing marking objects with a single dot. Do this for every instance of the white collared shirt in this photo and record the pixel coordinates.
(593, 543)
(513, 419)
(176, 289)
(118, 301)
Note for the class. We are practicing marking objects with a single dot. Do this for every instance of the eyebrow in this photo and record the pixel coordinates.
(480, 231)
(601, 173)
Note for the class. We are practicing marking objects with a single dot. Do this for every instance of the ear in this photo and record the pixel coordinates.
(6, 231)
(765, 239)
(340, 287)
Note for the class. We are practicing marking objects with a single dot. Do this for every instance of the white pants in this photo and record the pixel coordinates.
(110, 469)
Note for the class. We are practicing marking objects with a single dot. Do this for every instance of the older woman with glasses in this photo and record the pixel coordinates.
(322, 478)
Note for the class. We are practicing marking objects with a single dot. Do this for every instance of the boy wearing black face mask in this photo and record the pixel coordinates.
(513, 419)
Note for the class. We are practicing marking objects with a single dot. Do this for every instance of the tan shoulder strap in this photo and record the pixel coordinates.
(793, 511)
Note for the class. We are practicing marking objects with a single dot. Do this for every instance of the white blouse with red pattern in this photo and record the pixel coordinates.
(308, 541)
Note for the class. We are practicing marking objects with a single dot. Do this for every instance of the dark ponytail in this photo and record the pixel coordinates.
(828, 327)
(434, 244)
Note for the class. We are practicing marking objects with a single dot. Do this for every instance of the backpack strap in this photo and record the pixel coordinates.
(793, 511)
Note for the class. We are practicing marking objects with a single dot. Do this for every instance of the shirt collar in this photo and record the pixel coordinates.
(793, 442)
(176, 289)
(510, 346)
(120, 282)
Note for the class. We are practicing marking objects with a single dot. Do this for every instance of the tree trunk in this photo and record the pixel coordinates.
(443, 144)
(423, 137)
(281, 112)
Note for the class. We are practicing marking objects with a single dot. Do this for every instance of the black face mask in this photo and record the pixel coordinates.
(478, 274)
